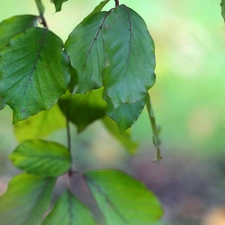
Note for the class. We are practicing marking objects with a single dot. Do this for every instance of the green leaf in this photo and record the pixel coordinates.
(125, 114)
(86, 39)
(99, 7)
(222, 4)
(124, 139)
(26, 200)
(58, 4)
(13, 26)
(34, 72)
(82, 110)
(155, 129)
(129, 50)
(40, 6)
(40, 125)
(43, 158)
(122, 199)
(68, 210)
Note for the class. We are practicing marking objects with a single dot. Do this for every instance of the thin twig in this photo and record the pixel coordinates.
(68, 135)
(43, 21)
(71, 171)
(117, 3)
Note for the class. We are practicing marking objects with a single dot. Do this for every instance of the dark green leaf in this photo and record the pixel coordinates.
(122, 199)
(43, 158)
(99, 7)
(85, 48)
(40, 125)
(58, 4)
(34, 72)
(155, 129)
(222, 4)
(123, 114)
(40, 6)
(83, 109)
(124, 139)
(26, 200)
(129, 73)
(13, 26)
(68, 210)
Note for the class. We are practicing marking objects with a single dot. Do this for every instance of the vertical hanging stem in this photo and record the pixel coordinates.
(41, 11)
(68, 135)
(40, 7)
(117, 3)
(71, 171)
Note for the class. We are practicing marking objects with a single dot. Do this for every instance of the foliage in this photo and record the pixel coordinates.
(103, 71)
(222, 4)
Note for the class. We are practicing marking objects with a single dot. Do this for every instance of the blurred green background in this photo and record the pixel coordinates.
(188, 101)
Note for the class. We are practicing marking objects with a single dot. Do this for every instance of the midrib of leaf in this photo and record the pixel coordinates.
(36, 59)
(44, 156)
(40, 194)
(70, 209)
(94, 40)
(108, 201)
(130, 41)
(41, 190)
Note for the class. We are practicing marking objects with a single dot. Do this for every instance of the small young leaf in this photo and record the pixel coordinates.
(40, 125)
(34, 72)
(26, 200)
(85, 49)
(58, 4)
(68, 210)
(155, 128)
(99, 7)
(122, 199)
(129, 74)
(222, 4)
(43, 158)
(13, 26)
(124, 139)
(83, 109)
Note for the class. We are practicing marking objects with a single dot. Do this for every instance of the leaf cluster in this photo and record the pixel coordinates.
(103, 71)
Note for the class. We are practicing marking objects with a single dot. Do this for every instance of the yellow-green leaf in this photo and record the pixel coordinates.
(43, 158)
(26, 200)
(122, 199)
(40, 125)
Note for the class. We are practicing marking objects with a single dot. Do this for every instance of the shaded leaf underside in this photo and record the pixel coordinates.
(83, 109)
